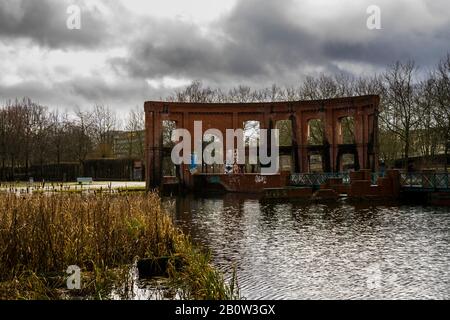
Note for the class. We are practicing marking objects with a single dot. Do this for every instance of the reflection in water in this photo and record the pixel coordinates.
(289, 250)
(132, 287)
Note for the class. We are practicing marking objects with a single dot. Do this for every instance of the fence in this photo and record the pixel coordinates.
(425, 180)
(418, 180)
(316, 179)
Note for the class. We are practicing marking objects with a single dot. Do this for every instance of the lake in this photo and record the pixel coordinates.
(294, 250)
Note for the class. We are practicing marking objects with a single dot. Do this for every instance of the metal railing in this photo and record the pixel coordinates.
(425, 180)
(316, 179)
(422, 180)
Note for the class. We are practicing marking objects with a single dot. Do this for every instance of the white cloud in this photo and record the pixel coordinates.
(198, 11)
(167, 83)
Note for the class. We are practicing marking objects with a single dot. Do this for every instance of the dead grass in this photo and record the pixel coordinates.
(103, 234)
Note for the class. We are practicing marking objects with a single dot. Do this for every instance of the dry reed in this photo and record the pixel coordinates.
(42, 234)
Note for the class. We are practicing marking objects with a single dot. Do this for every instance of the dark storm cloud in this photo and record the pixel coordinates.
(99, 91)
(183, 51)
(425, 51)
(423, 37)
(264, 41)
(44, 22)
(257, 43)
(255, 40)
(265, 28)
(79, 92)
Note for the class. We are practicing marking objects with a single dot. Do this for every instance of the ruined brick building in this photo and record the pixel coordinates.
(301, 153)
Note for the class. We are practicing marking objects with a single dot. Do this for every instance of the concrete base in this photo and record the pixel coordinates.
(288, 193)
(325, 195)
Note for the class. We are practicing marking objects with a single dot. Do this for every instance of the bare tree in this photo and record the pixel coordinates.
(441, 102)
(368, 85)
(400, 112)
(104, 125)
(240, 94)
(135, 127)
(38, 122)
(195, 92)
(324, 87)
(426, 138)
(82, 132)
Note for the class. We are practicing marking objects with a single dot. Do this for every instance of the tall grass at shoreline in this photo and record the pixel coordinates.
(103, 234)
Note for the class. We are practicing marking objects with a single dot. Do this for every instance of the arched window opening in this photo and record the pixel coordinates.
(347, 130)
(251, 130)
(167, 166)
(316, 132)
(285, 132)
(216, 166)
(167, 128)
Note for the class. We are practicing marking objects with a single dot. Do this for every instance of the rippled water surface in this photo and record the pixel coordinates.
(289, 250)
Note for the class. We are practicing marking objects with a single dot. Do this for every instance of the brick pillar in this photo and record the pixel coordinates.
(157, 138)
(296, 142)
(359, 138)
(329, 134)
(149, 157)
(303, 146)
(367, 175)
(153, 147)
(376, 146)
(394, 176)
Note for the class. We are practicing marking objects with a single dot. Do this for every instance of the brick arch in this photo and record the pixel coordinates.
(339, 131)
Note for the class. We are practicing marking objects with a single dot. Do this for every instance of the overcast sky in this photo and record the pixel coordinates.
(130, 51)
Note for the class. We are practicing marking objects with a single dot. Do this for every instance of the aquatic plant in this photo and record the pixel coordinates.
(104, 234)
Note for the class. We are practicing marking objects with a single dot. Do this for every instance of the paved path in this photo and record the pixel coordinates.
(69, 186)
